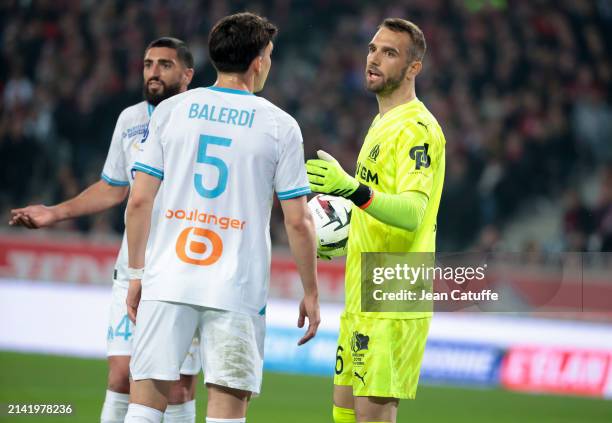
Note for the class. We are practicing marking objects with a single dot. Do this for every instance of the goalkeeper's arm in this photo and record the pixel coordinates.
(405, 210)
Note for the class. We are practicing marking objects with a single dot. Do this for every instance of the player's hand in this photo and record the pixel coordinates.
(324, 253)
(322, 256)
(327, 176)
(328, 253)
(133, 299)
(33, 217)
(309, 307)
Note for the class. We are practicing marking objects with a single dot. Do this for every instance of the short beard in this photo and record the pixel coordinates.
(167, 92)
(390, 85)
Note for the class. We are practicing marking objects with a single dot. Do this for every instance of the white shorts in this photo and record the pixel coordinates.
(120, 334)
(231, 344)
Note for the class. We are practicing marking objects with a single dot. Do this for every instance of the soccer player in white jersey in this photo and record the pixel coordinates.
(221, 153)
(168, 69)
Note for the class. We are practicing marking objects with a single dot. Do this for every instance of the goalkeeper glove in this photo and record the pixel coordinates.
(327, 176)
(321, 255)
(327, 253)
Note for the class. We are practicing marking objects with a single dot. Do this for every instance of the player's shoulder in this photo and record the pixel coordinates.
(415, 113)
(419, 121)
(165, 107)
(281, 116)
(134, 112)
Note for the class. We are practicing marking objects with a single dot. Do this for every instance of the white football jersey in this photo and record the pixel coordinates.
(130, 131)
(222, 153)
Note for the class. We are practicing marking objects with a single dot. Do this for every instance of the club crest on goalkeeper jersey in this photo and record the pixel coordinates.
(221, 153)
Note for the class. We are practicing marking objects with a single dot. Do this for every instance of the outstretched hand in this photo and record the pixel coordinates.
(33, 217)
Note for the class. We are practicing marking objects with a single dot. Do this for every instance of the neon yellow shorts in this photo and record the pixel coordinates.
(380, 357)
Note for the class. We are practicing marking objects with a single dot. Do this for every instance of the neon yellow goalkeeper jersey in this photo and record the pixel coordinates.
(403, 151)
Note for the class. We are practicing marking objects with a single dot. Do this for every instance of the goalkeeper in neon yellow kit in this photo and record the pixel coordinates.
(396, 193)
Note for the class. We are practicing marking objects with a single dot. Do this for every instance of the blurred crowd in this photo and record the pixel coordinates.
(522, 89)
(588, 227)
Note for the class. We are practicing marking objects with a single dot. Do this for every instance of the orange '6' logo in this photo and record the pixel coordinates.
(198, 248)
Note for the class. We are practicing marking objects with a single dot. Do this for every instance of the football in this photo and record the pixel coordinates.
(332, 216)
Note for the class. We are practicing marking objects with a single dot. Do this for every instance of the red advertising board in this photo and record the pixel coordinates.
(88, 262)
(52, 259)
(557, 370)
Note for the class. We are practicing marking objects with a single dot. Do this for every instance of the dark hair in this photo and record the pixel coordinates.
(418, 45)
(182, 51)
(236, 40)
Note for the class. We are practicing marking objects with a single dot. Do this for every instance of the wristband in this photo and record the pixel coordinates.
(361, 196)
(135, 273)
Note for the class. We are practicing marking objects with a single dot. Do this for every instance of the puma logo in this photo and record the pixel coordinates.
(361, 378)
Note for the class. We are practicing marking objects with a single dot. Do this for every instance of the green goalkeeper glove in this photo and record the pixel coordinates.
(327, 176)
(321, 255)
(327, 253)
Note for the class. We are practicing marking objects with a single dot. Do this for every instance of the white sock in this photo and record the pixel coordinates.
(138, 413)
(115, 407)
(212, 420)
(180, 413)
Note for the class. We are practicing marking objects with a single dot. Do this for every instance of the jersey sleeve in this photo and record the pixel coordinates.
(150, 158)
(291, 180)
(115, 172)
(418, 155)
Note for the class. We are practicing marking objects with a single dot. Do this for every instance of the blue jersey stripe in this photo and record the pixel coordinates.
(149, 170)
(157, 175)
(147, 167)
(293, 193)
(229, 90)
(114, 182)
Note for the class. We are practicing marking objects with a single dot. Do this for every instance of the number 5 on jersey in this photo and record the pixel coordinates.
(203, 157)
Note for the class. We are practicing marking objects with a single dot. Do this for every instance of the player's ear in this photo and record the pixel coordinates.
(257, 64)
(415, 68)
(187, 76)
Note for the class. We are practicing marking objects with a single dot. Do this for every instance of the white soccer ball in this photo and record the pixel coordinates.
(332, 216)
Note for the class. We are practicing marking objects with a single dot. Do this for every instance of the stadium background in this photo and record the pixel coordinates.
(523, 90)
